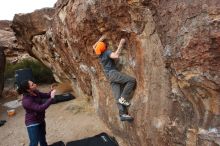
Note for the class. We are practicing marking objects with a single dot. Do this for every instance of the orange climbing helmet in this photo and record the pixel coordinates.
(100, 48)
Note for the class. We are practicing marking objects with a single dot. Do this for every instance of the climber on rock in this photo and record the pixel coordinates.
(122, 84)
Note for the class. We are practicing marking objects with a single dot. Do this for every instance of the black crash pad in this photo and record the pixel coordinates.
(101, 139)
(62, 98)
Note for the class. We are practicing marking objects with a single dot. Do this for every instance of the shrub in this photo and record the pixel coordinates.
(40, 72)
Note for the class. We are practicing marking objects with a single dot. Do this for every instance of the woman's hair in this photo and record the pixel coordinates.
(24, 86)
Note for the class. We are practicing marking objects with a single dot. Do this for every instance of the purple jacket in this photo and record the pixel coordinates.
(35, 107)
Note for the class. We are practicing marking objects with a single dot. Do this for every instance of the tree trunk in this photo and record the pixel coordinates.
(2, 69)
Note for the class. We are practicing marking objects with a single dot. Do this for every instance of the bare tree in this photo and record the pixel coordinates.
(2, 69)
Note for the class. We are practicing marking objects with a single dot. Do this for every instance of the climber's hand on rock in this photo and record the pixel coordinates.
(122, 41)
(52, 93)
(103, 37)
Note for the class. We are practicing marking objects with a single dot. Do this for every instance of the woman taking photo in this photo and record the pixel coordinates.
(35, 105)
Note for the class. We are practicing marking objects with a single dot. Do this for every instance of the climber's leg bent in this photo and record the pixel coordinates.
(116, 89)
(129, 86)
(123, 113)
(123, 79)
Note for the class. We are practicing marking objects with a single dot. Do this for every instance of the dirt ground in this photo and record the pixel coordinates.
(66, 121)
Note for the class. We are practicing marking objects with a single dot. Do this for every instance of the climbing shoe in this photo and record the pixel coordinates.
(123, 101)
(126, 117)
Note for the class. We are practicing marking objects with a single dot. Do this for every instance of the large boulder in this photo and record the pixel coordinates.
(173, 49)
(8, 41)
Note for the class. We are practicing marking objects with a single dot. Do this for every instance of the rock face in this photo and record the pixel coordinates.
(173, 50)
(8, 41)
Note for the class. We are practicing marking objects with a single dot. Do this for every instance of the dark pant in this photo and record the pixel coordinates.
(122, 86)
(37, 134)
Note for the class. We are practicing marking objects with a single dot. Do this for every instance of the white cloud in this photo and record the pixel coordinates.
(10, 7)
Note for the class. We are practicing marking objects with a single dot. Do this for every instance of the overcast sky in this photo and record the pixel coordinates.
(10, 7)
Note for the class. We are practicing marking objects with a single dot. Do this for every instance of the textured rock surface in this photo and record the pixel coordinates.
(173, 50)
(8, 41)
